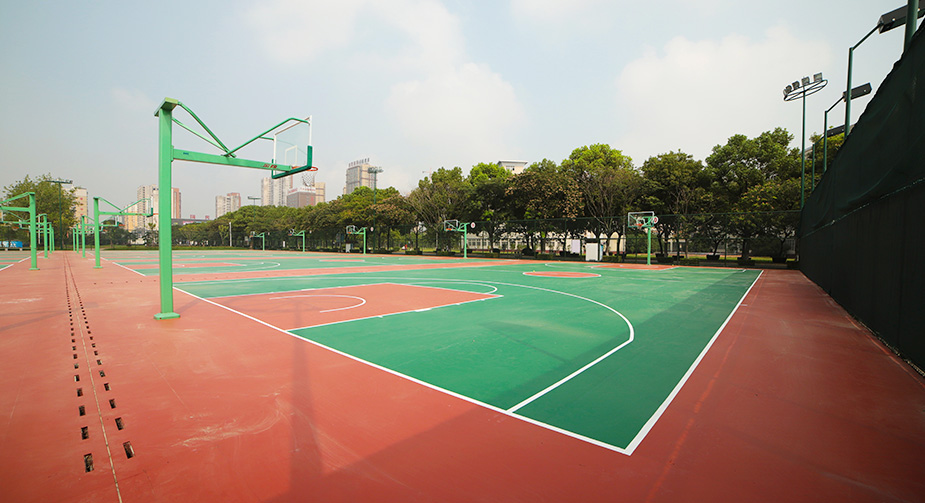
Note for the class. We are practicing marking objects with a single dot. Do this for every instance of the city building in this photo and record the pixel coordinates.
(227, 204)
(358, 175)
(515, 167)
(275, 192)
(81, 207)
(306, 195)
(148, 200)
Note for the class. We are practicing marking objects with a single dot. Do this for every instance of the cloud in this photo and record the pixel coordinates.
(550, 10)
(132, 100)
(445, 103)
(457, 111)
(693, 95)
(297, 31)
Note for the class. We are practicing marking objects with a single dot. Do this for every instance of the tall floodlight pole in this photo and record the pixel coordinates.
(888, 21)
(375, 170)
(857, 92)
(60, 202)
(911, 13)
(801, 90)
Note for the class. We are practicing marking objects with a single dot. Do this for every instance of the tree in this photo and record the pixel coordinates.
(114, 234)
(743, 164)
(59, 205)
(609, 187)
(489, 186)
(541, 193)
(445, 195)
(676, 184)
(823, 160)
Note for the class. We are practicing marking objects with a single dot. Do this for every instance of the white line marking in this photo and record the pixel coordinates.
(424, 383)
(128, 269)
(422, 283)
(394, 313)
(551, 274)
(582, 369)
(658, 413)
(361, 299)
(631, 447)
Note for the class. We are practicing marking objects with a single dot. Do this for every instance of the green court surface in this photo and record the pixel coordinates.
(598, 358)
(8, 258)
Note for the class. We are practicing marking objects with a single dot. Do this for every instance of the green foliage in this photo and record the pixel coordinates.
(50, 198)
(483, 172)
(445, 195)
(609, 186)
(753, 175)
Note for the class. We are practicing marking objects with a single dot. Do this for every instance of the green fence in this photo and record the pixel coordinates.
(733, 237)
(862, 230)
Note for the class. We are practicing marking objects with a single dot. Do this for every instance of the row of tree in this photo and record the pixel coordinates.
(589, 192)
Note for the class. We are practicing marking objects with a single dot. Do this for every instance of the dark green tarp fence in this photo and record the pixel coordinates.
(862, 232)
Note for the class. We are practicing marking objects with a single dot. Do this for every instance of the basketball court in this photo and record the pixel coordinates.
(340, 378)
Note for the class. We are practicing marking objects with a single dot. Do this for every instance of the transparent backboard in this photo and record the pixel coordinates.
(290, 144)
(640, 219)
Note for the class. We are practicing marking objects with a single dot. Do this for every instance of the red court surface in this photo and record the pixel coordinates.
(794, 402)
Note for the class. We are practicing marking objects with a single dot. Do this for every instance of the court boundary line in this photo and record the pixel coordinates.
(631, 446)
(433, 387)
(363, 303)
(677, 389)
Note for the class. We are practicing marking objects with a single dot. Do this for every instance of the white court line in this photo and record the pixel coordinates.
(548, 274)
(422, 283)
(661, 409)
(426, 384)
(634, 443)
(126, 268)
(398, 312)
(361, 299)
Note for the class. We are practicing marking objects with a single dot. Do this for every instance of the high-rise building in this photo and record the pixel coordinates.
(274, 192)
(358, 175)
(134, 221)
(227, 204)
(305, 195)
(81, 207)
(148, 196)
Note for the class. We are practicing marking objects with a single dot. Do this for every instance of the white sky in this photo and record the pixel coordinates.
(414, 85)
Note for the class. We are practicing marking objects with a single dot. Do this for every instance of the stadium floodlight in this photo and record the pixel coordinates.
(857, 92)
(801, 93)
(888, 21)
(896, 18)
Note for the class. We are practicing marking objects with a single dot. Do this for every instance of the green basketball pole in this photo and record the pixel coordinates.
(33, 229)
(96, 233)
(164, 184)
(33, 254)
(296, 234)
(166, 154)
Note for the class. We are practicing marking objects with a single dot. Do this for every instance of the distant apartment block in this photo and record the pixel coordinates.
(358, 175)
(305, 195)
(148, 196)
(274, 192)
(227, 204)
(81, 207)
